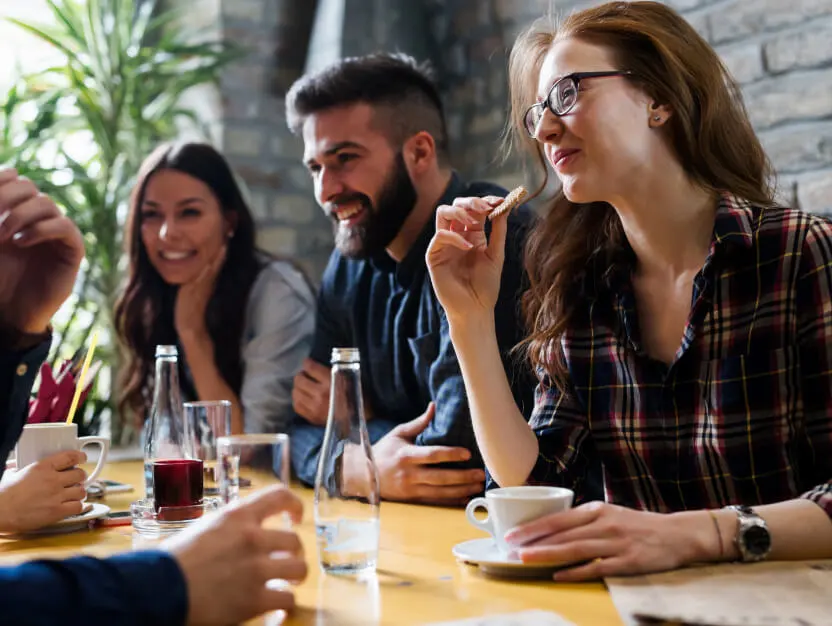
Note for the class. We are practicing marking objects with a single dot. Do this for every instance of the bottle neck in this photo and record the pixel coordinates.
(167, 434)
(166, 385)
(345, 395)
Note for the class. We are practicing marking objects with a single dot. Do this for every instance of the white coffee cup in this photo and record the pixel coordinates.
(38, 441)
(508, 507)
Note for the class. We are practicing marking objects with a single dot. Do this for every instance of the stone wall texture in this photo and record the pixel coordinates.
(779, 50)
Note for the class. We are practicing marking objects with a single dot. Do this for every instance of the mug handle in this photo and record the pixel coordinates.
(104, 443)
(473, 505)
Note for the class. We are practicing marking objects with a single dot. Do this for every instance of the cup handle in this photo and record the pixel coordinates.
(104, 443)
(473, 505)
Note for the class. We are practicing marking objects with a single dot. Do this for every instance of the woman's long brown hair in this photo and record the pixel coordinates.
(144, 313)
(709, 132)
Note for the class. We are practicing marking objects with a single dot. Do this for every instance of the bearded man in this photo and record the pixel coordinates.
(376, 147)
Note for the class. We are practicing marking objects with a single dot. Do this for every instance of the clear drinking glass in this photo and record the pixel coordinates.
(246, 463)
(207, 421)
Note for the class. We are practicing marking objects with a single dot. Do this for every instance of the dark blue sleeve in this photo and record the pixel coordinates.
(132, 589)
(331, 330)
(452, 424)
(508, 318)
(18, 371)
(306, 440)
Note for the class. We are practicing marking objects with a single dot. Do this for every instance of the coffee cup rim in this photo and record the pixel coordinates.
(503, 493)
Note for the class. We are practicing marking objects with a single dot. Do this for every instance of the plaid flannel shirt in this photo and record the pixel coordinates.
(744, 412)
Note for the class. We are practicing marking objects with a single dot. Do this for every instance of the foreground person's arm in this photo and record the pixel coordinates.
(214, 573)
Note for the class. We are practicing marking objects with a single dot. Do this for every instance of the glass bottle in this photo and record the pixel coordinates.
(347, 493)
(173, 476)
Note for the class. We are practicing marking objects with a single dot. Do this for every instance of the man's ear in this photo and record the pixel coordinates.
(419, 153)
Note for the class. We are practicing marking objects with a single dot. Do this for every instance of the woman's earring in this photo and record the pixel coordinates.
(657, 118)
(230, 234)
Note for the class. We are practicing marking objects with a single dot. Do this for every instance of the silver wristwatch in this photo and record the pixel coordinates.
(753, 539)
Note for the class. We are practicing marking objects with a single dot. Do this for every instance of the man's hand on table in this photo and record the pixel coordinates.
(228, 558)
(405, 469)
(42, 493)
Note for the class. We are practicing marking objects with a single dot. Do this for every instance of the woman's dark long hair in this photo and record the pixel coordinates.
(709, 131)
(144, 312)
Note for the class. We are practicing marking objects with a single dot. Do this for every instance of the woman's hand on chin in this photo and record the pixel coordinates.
(192, 300)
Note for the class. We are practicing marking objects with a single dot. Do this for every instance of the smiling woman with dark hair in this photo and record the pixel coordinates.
(242, 319)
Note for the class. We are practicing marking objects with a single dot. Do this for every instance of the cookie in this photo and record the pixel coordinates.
(515, 197)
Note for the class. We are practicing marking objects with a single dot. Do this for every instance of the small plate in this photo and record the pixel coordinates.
(485, 554)
(74, 522)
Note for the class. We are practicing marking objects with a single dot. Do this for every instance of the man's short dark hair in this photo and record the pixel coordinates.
(401, 90)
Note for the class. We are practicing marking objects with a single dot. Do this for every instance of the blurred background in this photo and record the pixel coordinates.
(87, 87)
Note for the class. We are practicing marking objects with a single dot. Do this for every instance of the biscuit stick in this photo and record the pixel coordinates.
(515, 197)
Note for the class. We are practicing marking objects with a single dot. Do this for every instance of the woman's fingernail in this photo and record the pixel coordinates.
(4, 217)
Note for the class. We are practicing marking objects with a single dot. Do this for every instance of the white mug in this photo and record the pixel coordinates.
(508, 507)
(38, 441)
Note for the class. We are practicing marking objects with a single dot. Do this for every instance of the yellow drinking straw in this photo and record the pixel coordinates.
(83, 375)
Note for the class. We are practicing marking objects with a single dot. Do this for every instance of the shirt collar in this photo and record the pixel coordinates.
(734, 226)
(734, 222)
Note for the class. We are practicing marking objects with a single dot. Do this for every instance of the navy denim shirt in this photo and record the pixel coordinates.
(390, 312)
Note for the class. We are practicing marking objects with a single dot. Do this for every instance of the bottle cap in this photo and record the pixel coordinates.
(345, 355)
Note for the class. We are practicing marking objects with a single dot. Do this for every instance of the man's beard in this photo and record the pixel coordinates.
(380, 224)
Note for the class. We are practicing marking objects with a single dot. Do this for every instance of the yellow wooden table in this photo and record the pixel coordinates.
(418, 579)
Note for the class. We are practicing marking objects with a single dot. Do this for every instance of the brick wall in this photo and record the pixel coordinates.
(779, 50)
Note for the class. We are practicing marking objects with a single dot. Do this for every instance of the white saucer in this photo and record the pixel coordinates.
(73, 523)
(485, 554)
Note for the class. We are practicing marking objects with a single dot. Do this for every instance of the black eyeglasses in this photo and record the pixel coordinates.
(561, 97)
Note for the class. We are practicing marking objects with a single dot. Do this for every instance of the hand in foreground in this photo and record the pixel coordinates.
(405, 471)
(42, 493)
(310, 392)
(465, 268)
(40, 253)
(616, 540)
(228, 558)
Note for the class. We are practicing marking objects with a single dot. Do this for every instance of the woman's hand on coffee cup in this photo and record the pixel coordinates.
(42, 493)
(609, 540)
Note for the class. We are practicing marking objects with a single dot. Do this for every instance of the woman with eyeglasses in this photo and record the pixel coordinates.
(680, 322)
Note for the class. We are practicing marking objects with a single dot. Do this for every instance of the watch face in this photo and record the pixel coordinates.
(757, 540)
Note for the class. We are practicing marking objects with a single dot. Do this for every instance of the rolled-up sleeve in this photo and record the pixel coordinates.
(279, 330)
(560, 424)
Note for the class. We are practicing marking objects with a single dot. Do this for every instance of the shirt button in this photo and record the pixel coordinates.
(22, 369)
